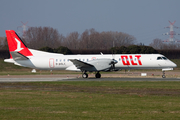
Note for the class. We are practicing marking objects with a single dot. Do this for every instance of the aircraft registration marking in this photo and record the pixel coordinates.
(60, 64)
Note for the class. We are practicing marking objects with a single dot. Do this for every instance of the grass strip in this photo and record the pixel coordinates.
(90, 100)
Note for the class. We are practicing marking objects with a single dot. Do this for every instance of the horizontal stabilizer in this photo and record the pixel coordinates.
(18, 56)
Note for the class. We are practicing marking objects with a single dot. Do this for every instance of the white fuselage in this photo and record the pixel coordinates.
(53, 61)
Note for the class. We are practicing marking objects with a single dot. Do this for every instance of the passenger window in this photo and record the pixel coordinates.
(119, 59)
(87, 59)
(64, 60)
(159, 58)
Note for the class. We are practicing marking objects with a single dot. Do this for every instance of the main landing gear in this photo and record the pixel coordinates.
(97, 75)
(163, 76)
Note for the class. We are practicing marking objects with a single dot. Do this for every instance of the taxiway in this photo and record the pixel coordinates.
(45, 78)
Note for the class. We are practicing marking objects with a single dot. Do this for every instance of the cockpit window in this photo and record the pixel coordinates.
(164, 58)
(159, 58)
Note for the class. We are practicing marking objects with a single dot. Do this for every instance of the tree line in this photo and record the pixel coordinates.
(38, 37)
(132, 49)
(89, 42)
(160, 45)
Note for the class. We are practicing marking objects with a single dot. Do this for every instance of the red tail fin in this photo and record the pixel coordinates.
(16, 44)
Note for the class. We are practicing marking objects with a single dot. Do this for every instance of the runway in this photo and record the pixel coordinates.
(125, 79)
(45, 78)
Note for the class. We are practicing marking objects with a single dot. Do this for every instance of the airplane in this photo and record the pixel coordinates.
(21, 55)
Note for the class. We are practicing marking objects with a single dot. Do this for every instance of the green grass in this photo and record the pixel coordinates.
(90, 100)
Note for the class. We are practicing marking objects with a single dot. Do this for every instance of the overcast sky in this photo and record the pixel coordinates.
(144, 19)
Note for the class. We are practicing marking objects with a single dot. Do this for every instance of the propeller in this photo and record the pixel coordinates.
(113, 62)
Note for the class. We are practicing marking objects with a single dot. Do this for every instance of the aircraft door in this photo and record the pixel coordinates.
(51, 63)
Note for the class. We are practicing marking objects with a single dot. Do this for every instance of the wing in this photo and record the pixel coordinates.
(93, 65)
(80, 64)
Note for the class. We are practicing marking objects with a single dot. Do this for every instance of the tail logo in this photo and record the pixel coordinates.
(18, 45)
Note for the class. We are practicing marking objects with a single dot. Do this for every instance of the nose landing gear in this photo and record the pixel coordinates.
(85, 75)
(163, 76)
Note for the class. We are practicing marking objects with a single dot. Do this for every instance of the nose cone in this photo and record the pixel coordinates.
(172, 64)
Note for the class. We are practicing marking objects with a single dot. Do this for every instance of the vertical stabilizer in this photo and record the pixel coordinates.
(16, 45)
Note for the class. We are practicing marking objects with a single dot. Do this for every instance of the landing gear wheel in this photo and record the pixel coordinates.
(98, 75)
(163, 76)
(85, 75)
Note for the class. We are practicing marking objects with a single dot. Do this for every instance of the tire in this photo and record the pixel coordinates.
(98, 75)
(85, 75)
(163, 76)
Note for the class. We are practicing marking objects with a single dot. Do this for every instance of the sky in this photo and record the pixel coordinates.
(143, 19)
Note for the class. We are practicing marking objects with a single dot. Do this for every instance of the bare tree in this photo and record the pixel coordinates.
(84, 40)
(94, 41)
(91, 39)
(170, 46)
(106, 40)
(37, 37)
(3, 43)
(123, 39)
(72, 40)
(157, 44)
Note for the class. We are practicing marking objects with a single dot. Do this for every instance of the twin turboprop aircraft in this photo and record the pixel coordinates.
(21, 55)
